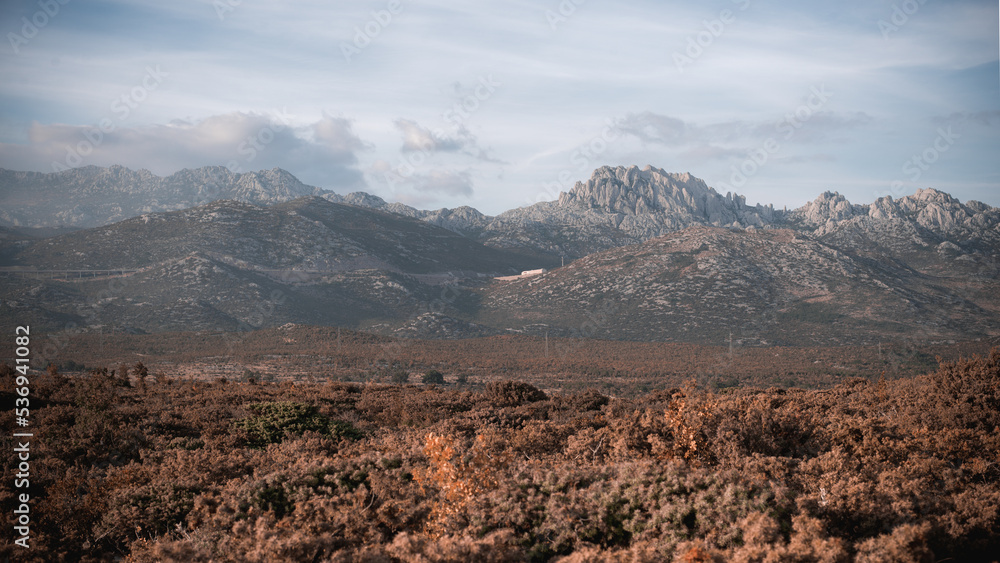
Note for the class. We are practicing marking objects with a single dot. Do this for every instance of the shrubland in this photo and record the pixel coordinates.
(166, 468)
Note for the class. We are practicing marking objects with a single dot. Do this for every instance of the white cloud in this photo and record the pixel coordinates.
(417, 138)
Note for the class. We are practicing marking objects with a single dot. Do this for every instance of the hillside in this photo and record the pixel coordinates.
(627, 205)
(772, 286)
(308, 233)
(231, 266)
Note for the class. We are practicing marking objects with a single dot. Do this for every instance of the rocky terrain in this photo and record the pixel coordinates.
(775, 286)
(619, 206)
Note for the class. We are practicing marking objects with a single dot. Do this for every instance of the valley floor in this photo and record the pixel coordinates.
(616, 368)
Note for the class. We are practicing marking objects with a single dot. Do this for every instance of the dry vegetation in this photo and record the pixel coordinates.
(173, 469)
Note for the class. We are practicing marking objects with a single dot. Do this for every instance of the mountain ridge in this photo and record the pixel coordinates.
(833, 270)
(617, 206)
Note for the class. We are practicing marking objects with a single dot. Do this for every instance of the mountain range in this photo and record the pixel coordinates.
(651, 255)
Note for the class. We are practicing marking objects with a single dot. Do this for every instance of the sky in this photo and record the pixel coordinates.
(502, 104)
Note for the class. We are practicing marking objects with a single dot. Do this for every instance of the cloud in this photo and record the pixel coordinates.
(703, 140)
(554, 90)
(417, 138)
(826, 125)
(336, 134)
(984, 118)
(711, 152)
(806, 159)
(654, 128)
(323, 153)
(441, 182)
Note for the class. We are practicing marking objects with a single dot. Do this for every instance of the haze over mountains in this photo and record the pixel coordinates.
(651, 256)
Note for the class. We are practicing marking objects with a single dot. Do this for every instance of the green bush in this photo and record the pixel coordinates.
(433, 377)
(399, 375)
(271, 421)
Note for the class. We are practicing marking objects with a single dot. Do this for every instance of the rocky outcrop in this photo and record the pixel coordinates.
(619, 206)
(907, 229)
(672, 200)
(929, 209)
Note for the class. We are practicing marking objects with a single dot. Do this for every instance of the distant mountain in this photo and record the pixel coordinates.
(617, 206)
(91, 196)
(925, 230)
(621, 205)
(626, 205)
(652, 256)
(307, 233)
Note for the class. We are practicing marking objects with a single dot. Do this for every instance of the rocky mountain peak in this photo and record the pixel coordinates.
(670, 200)
(829, 206)
(633, 191)
(364, 199)
(931, 195)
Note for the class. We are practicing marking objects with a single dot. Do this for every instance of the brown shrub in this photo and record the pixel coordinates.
(513, 393)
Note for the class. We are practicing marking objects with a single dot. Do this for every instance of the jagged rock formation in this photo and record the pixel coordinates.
(929, 231)
(618, 206)
(928, 211)
(659, 200)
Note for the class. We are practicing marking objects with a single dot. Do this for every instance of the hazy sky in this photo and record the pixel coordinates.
(445, 103)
